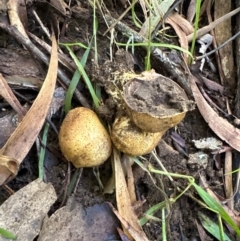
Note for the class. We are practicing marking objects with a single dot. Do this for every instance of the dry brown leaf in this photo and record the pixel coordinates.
(212, 85)
(126, 215)
(14, 17)
(130, 181)
(8, 95)
(127, 226)
(181, 35)
(63, 58)
(143, 6)
(233, 215)
(202, 234)
(22, 13)
(212, 25)
(60, 5)
(22, 139)
(191, 11)
(122, 234)
(181, 22)
(220, 126)
(24, 82)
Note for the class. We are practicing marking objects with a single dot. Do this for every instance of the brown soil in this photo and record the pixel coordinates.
(182, 215)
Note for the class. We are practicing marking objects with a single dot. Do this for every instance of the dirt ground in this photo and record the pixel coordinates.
(182, 217)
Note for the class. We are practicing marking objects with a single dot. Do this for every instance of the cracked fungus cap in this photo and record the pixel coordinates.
(155, 103)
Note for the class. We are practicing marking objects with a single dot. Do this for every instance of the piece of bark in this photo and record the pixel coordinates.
(23, 213)
(237, 67)
(73, 222)
(223, 32)
(21, 58)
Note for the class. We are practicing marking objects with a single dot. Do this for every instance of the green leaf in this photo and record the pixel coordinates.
(75, 79)
(85, 77)
(212, 227)
(217, 207)
(7, 234)
(198, 8)
(151, 211)
(74, 44)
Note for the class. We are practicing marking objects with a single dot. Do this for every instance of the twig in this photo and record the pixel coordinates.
(36, 52)
(64, 60)
(41, 24)
(165, 17)
(119, 19)
(219, 47)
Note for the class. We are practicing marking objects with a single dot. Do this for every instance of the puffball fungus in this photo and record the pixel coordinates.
(130, 139)
(83, 139)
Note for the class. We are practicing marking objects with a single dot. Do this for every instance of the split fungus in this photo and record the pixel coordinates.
(153, 105)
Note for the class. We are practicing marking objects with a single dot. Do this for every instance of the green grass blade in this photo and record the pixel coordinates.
(42, 151)
(74, 82)
(98, 91)
(164, 228)
(95, 27)
(151, 211)
(74, 44)
(148, 56)
(73, 181)
(70, 91)
(161, 45)
(212, 227)
(85, 77)
(6, 234)
(134, 17)
(198, 8)
(217, 207)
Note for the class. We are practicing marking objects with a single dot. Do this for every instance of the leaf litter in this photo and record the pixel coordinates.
(203, 122)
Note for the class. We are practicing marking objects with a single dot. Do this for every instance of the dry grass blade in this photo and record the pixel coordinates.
(128, 218)
(220, 126)
(22, 139)
(181, 35)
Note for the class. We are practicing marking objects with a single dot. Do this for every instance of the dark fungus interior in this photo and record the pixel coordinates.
(159, 97)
